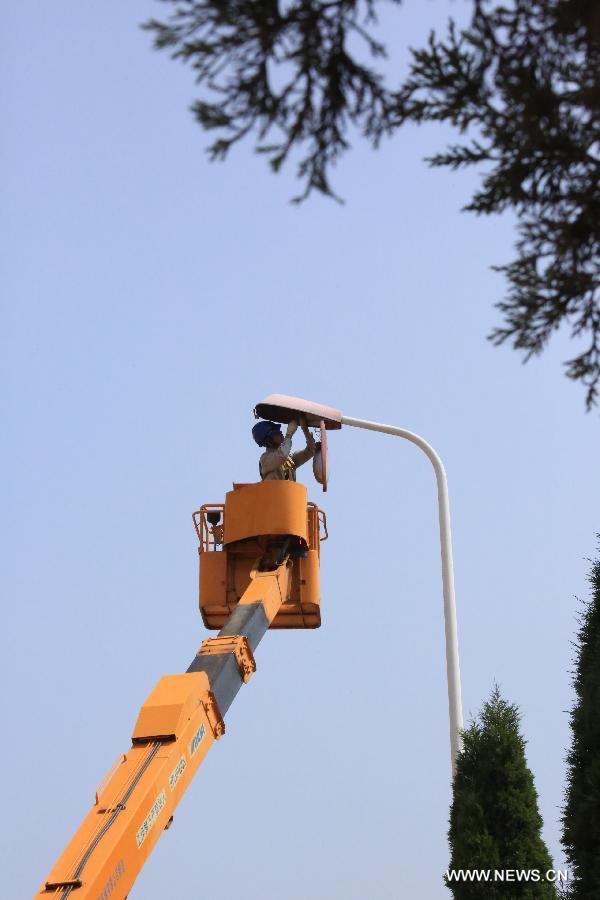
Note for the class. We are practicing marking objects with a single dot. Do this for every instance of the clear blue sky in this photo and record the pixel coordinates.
(149, 300)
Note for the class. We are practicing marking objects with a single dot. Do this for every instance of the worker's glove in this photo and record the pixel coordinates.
(292, 428)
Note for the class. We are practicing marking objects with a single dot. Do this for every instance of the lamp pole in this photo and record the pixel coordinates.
(451, 630)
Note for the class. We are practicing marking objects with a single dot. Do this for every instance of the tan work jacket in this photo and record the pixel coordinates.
(281, 464)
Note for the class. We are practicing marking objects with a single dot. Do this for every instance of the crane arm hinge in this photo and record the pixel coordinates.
(213, 713)
(236, 644)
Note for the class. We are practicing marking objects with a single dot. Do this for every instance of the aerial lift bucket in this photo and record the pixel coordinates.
(260, 522)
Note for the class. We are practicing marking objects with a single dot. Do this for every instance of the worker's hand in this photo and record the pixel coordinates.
(304, 426)
(292, 428)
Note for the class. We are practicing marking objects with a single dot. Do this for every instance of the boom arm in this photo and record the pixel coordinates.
(174, 731)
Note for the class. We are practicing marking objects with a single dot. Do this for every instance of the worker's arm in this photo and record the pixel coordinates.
(303, 456)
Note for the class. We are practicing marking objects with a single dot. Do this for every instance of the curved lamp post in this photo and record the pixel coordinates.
(450, 625)
(282, 408)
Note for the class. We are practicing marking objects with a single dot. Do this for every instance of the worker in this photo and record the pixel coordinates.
(278, 463)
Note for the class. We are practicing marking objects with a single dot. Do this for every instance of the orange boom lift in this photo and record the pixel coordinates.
(259, 569)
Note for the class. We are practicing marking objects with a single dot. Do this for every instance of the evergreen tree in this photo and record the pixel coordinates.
(494, 819)
(581, 816)
(520, 85)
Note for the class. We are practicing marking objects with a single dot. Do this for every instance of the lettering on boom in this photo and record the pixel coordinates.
(111, 884)
(151, 818)
(177, 773)
(195, 742)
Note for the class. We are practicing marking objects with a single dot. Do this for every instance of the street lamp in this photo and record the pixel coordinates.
(282, 408)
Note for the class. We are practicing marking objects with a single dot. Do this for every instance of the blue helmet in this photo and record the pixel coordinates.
(262, 431)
